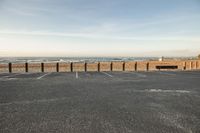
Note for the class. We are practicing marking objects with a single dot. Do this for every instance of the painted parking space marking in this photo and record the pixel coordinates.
(12, 75)
(4, 74)
(159, 91)
(128, 76)
(34, 101)
(140, 75)
(43, 76)
(107, 74)
(167, 73)
(196, 73)
(168, 91)
(7, 79)
(76, 75)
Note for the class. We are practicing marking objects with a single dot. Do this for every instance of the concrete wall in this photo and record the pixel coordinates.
(129, 66)
(64, 67)
(4, 68)
(98, 66)
(153, 64)
(18, 68)
(141, 66)
(50, 67)
(198, 64)
(180, 64)
(193, 65)
(188, 65)
(118, 66)
(185, 65)
(34, 67)
(92, 67)
(78, 67)
(105, 66)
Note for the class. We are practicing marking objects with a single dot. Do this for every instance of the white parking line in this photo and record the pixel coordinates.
(7, 79)
(8, 76)
(139, 74)
(107, 74)
(169, 91)
(166, 73)
(189, 72)
(76, 75)
(43, 75)
(4, 74)
(34, 101)
(159, 91)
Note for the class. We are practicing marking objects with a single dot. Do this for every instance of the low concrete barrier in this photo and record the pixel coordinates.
(180, 64)
(34, 67)
(153, 64)
(18, 68)
(184, 65)
(92, 67)
(129, 66)
(64, 67)
(105, 66)
(49, 67)
(141, 66)
(78, 67)
(100, 66)
(198, 64)
(166, 65)
(193, 65)
(188, 65)
(118, 66)
(4, 68)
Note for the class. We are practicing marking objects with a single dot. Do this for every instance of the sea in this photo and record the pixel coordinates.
(71, 59)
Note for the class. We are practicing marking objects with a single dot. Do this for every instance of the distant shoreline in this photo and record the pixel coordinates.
(84, 59)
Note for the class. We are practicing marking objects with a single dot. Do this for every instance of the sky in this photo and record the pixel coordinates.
(99, 28)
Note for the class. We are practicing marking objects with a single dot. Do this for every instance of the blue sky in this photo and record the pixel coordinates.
(99, 27)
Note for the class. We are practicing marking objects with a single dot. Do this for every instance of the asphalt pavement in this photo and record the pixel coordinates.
(100, 102)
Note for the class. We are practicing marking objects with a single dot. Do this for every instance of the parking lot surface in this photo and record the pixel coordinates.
(100, 102)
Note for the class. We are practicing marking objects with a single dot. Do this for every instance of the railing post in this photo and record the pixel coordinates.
(57, 67)
(136, 66)
(98, 66)
(10, 67)
(26, 66)
(147, 66)
(71, 65)
(85, 67)
(42, 67)
(111, 66)
(123, 69)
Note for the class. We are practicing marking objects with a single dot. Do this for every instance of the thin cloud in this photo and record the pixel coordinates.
(101, 36)
(39, 33)
(157, 21)
(20, 12)
(28, 8)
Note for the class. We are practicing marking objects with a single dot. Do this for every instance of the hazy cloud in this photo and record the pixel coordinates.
(105, 27)
(99, 36)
